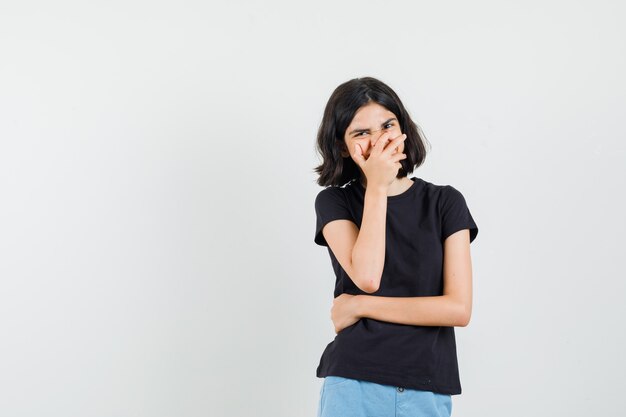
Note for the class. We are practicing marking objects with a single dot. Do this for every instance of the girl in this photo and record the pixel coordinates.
(400, 250)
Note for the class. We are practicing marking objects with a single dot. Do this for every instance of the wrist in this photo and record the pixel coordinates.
(377, 191)
(360, 301)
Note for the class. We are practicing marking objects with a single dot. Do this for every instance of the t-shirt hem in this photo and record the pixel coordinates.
(418, 383)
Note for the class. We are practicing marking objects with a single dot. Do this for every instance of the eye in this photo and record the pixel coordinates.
(360, 134)
(389, 125)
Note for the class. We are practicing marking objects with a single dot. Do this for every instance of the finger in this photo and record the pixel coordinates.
(395, 143)
(380, 144)
(398, 157)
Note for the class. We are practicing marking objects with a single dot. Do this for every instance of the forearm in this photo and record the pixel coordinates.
(368, 254)
(441, 310)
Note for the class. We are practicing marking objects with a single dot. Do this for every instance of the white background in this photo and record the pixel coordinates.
(157, 189)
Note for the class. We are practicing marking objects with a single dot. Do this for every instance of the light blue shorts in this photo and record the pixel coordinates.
(345, 397)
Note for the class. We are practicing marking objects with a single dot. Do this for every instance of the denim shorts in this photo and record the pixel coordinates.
(345, 397)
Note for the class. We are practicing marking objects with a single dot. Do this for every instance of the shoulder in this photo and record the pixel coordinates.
(327, 195)
(449, 193)
(328, 192)
(443, 198)
(453, 212)
(440, 192)
(334, 195)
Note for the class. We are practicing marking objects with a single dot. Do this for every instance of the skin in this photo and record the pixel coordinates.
(376, 145)
(370, 124)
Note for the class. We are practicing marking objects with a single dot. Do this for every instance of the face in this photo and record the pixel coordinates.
(369, 123)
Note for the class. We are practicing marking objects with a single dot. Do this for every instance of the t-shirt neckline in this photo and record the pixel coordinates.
(403, 194)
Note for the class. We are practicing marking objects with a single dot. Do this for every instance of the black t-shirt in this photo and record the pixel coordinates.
(418, 222)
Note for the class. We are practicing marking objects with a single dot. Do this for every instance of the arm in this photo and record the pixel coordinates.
(453, 308)
(361, 253)
(368, 254)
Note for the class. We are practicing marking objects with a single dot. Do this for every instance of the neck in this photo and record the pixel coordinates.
(398, 186)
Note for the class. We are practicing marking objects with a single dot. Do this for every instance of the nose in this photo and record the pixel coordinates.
(375, 136)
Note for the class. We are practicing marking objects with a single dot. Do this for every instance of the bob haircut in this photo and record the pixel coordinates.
(340, 110)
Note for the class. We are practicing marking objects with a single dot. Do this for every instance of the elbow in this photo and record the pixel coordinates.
(464, 322)
(367, 273)
(365, 282)
(463, 317)
(369, 286)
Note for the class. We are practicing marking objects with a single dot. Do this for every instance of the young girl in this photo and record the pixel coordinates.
(400, 250)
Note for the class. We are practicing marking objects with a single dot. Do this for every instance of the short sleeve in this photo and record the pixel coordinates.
(455, 214)
(330, 204)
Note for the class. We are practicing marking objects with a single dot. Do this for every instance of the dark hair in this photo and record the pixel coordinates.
(340, 110)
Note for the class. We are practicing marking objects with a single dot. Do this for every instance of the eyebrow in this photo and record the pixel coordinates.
(367, 130)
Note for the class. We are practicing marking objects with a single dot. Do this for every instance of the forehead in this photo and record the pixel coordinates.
(371, 113)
